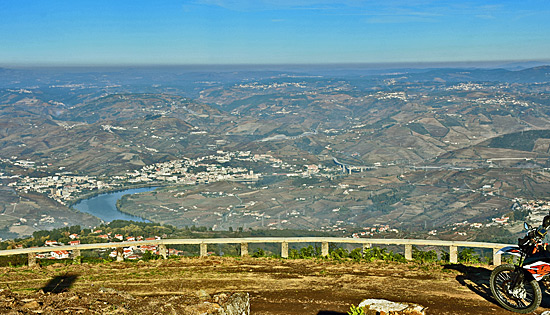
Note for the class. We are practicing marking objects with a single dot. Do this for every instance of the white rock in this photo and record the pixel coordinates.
(387, 306)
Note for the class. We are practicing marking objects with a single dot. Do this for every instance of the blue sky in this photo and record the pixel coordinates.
(119, 32)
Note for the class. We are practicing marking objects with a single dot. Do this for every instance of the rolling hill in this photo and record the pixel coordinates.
(429, 141)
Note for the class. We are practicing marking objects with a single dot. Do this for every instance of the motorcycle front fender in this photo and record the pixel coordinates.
(510, 250)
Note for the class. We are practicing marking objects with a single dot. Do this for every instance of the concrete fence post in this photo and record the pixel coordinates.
(32, 260)
(453, 254)
(408, 252)
(76, 255)
(496, 258)
(284, 249)
(163, 251)
(244, 244)
(203, 249)
(119, 254)
(324, 249)
(244, 249)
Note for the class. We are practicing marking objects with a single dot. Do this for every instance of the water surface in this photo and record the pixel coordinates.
(104, 206)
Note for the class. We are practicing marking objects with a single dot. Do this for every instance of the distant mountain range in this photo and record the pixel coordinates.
(538, 74)
(431, 139)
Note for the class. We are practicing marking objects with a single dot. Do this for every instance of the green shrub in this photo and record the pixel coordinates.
(468, 255)
(259, 253)
(445, 257)
(48, 262)
(422, 256)
(309, 252)
(304, 252)
(148, 255)
(13, 261)
(93, 260)
(339, 253)
(294, 254)
(356, 254)
(376, 253)
(356, 310)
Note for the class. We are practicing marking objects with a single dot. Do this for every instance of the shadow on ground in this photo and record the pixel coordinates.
(60, 283)
(477, 280)
(545, 296)
(474, 278)
(330, 313)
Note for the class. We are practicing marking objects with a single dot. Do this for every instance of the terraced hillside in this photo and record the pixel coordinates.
(435, 147)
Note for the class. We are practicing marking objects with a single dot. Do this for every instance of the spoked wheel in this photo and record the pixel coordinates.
(523, 298)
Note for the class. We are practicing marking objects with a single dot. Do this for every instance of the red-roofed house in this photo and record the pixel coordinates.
(127, 252)
(77, 242)
(60, 254)
(148, 248)
(50, 243)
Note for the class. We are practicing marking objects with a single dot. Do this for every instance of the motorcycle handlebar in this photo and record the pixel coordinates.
(536, 234)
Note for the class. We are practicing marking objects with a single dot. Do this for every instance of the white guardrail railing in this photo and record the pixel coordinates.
(284, 241)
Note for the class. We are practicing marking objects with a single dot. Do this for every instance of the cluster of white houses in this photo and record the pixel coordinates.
(66, 187)
(129, 252)
(376, 229)
(136, 252)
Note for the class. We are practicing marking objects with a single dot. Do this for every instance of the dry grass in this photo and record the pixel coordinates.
(276, 286)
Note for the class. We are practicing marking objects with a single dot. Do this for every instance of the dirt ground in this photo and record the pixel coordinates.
(189, 285)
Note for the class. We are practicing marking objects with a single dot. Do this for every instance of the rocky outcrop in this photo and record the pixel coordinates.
(236, 304)
(385, 307)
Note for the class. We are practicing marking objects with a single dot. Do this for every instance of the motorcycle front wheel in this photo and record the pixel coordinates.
(523, 298)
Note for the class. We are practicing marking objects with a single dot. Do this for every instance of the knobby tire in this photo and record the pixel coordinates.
(501, 277)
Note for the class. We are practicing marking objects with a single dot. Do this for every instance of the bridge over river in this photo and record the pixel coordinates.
(350, 168)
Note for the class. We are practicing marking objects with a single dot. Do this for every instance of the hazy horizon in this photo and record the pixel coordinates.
(484, 64)
(264, 32)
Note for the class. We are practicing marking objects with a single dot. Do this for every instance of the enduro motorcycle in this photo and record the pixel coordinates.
(516, 286)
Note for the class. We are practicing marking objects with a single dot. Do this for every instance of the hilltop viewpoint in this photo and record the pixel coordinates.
(275, 286)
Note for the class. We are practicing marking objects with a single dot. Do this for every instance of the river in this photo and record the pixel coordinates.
(104, 206)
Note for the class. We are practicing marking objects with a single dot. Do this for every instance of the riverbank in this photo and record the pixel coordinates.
(96, 193)
(155, 208)
(105, 205)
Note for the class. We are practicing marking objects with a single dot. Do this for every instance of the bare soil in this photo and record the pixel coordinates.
(189, 285)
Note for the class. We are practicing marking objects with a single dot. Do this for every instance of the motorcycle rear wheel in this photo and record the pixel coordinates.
(524, 298)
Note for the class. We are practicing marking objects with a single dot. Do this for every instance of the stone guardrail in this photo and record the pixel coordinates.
(284, 241)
